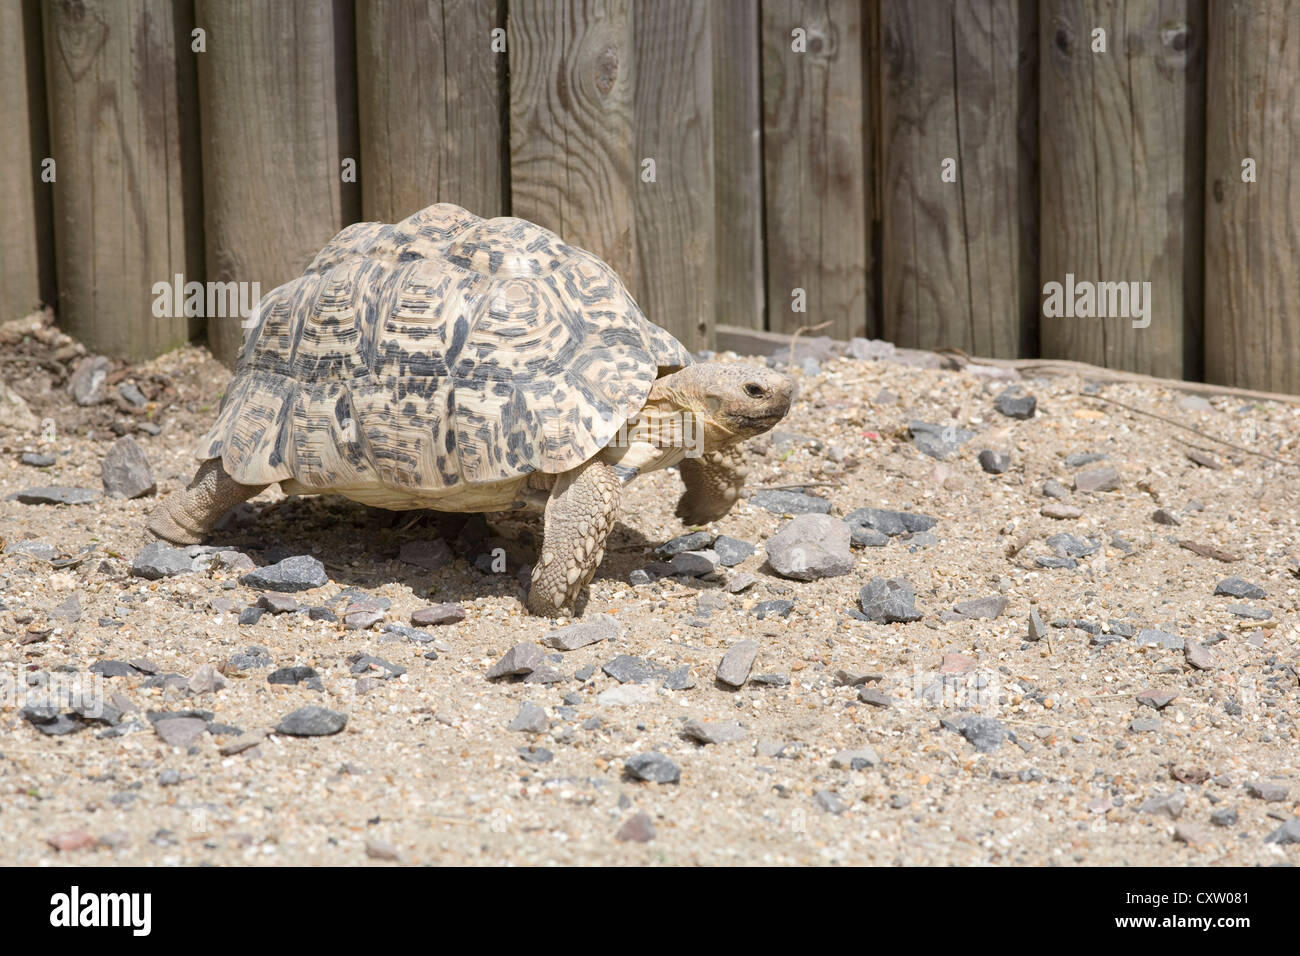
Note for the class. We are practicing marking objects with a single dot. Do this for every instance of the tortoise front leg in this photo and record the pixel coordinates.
(185, 517)
(713, 482)
(579, 516)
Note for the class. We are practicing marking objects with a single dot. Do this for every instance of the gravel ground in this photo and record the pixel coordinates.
(1148, 721)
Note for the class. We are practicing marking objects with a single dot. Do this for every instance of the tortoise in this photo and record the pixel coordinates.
(462, 364)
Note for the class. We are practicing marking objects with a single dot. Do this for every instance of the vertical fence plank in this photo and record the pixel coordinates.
(122, 134)
(673, 108)
(278, 97)
(27, 240)
(958, 256)
(572, 161)
(815, 149)
(1252, 230)
(1122, 168)
(738, 164)
(430, 97)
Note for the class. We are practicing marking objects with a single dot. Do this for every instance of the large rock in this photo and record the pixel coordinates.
(89, 382)
(158, 560)
(889, 601)
(810, 547)
(298, 573)
(125, 470)
(14, 413)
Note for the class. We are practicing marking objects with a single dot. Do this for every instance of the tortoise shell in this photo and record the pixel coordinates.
(443, 349)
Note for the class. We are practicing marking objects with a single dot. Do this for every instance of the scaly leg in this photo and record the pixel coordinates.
(713, 482)
(579, 516)
(185, 517)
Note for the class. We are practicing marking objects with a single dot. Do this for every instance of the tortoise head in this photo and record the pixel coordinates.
(731, 402)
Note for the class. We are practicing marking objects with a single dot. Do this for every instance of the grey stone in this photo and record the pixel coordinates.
(125, 470)
(1145, 725)
(810, 547)
(37, 460)
(985, 734)
(1253, 613)
(1199, 656)
(88, 384)
(180, 731)
(132, 395)
(1104, 478)
(1166, 517)
(714, 733)
(298, 573)
(1224, 817)
(1037, 629)
(113, 669)
(994, 462)
(1151, 635)
(362, 619)
(35, 549)
(740, 582)
(429, 554)
(409, 633)
(777, 608)
(169, 778)
(297, 674)
(1267, 791)
(1170, 805)
(639, 577)
(523, 658)
(592, 630)
(544, 675)
(1081, 458)
(938, 441)
(858, 759)
(790, 502)
(695, 541)
(889, 600)
(736, 663)
(986, 608)
(864, 537)
(694, 564)
(1016, 404)
(1239, 588)
(251, 615)
(891, 523)
(278, 603)
(68, 610)
(1068, 545)
(680, 679)
(628, 670)
(531, 719)
(732, 551)
(1054, 489)
(1155, 698)
(254, 658)
(1044, 561)
(769, 680)
(870, 350)
(638, 828)
(653, 767)
(54, 495)
(828, 801)
(159, 560)
(206, 680)
(874, 697)
(312, 721)
(1287, 834)
(438, 614)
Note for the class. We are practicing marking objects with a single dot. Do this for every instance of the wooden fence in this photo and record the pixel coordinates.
(917, 170)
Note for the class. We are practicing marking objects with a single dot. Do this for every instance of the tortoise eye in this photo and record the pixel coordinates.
(754, 391)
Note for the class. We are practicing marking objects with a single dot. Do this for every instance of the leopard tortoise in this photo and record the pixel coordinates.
(460, 364)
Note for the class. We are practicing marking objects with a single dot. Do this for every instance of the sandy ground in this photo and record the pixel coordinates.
(426, 770)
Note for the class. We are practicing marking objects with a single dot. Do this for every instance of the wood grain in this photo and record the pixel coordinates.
(123, 136)
(959, 259)
(278, 97)
(673, 108)
(572, 144)
(740, 296)
(1252, 230)
(1122, 152)
(431, 96)
(815, 148)
(27, 239)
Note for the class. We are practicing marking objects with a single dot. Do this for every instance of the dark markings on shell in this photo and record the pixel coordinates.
(434, 351)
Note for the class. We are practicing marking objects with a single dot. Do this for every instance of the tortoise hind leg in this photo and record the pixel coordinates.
(185, 517)
(579, 516)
